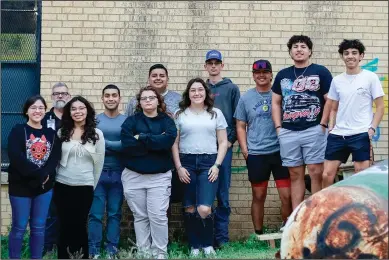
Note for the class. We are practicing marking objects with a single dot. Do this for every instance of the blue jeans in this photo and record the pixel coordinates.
(107, 195)
(223, 210)
(25, 209)
(52, 228)
(200, 191)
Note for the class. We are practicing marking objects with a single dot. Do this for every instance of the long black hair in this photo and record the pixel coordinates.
(67, 128)
(185, 102)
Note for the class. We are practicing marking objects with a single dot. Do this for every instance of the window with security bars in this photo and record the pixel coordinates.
(20, 63)
(18, 31)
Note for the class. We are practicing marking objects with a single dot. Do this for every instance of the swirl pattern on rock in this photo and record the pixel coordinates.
(343, 221)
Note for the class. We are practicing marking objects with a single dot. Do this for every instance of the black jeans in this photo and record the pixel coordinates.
(73, 205)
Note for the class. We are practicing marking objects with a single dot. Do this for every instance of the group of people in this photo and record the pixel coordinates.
(69, 167)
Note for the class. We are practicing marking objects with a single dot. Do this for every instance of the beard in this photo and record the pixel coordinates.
(59, 104)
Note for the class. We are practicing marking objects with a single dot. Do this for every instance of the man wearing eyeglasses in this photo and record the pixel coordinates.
(60, 96)
(226, 95)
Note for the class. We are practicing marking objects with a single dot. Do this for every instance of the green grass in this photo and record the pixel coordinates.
(17, 47)
(249, 248)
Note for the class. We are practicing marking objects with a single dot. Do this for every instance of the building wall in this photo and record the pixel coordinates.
(88, 44)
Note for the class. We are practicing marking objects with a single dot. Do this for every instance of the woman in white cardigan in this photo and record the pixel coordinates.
(82, 160)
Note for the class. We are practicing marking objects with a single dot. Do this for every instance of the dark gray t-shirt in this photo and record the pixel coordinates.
(254, 108)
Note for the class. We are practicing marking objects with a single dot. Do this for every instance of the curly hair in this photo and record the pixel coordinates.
(67, 128)
(351, 44)
(185, 102)
(300, 38)
(161, 104)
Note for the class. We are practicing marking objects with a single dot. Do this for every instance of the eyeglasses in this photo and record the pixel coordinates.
(64, 94)
(151, 98)
(213, 63)
(37, 108)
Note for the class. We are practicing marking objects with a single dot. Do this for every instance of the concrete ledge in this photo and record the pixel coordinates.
(4, 178)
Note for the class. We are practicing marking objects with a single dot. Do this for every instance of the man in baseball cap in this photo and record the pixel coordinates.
(262, 65)
(213, 55)
(226, 95)
(259, 144)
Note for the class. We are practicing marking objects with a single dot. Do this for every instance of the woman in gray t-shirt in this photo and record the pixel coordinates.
(198, 152)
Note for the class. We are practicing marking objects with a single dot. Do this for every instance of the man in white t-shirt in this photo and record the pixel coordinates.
(351, 98)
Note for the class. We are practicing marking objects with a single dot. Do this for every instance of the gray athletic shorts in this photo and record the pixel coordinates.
(302, 147)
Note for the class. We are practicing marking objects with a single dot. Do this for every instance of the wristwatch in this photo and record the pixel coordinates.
(217, 165)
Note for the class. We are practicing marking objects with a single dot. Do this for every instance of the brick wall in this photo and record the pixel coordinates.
(88, 44)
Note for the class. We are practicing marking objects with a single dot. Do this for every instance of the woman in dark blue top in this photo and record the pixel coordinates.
(147, 138)
(34, 152)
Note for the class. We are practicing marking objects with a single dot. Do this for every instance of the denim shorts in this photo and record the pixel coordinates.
(339, 147)
(200, 191)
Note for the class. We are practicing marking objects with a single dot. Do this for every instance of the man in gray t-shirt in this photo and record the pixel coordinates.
(259, 144)
(158, 78)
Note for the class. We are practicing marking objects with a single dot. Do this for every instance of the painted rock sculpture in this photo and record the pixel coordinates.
(346, 220)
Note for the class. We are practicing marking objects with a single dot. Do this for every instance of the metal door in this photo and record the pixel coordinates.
(20, 40)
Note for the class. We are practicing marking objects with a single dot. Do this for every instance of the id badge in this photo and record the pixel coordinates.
(51, 123)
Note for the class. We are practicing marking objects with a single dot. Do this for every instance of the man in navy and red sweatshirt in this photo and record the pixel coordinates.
(226, 95)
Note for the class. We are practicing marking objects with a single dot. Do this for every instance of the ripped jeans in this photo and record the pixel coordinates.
(199, 192)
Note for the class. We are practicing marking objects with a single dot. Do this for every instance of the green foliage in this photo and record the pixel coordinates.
(25, 251)
(17, 47)
(250, 248)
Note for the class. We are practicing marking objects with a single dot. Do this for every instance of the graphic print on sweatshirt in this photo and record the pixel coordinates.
(301, 102)
(38, 149)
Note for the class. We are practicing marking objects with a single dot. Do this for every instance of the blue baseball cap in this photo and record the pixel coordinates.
(213, 54)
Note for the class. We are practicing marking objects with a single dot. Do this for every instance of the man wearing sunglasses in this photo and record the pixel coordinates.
(226, 95)
(60, 96)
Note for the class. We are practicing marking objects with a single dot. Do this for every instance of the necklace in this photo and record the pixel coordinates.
(302, 74)
(265, 105)
(197, 113)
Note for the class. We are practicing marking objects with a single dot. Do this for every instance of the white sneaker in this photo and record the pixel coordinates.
(209, 251)
(161, 256)
(96, 256)
(194, 252)
(282, 226)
